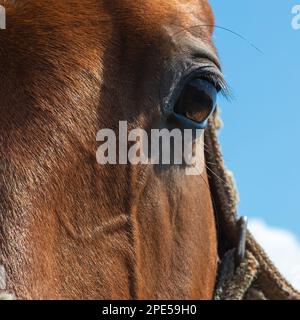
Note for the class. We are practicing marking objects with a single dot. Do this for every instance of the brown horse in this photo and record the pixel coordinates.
(69, 227)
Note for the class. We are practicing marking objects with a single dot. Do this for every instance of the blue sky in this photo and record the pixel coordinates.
(260, 138)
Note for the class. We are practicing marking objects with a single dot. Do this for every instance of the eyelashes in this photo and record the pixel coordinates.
(217, 79)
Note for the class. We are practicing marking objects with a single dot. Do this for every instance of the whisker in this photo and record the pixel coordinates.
(212, 163)
(214, 206)
(225, 29)
(207, 150)
(216, 175)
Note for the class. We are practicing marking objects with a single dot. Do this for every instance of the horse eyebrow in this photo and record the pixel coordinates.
(204, 51)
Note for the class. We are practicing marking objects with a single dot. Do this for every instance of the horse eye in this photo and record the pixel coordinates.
(197, 101)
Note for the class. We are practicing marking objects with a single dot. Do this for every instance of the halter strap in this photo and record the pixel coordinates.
(245, 271)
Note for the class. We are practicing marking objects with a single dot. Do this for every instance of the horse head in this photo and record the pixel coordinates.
(71, 228)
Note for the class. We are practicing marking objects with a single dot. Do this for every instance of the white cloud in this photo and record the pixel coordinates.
(282, 247)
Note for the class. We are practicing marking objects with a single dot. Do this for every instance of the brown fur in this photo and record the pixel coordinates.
(70, 228)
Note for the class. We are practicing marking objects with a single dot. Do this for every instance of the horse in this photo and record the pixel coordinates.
(69, 227)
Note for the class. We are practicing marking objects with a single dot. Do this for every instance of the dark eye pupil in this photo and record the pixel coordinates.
(197, 101)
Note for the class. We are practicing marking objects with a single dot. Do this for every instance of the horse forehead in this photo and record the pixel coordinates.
(146, 8)
(147, 16)
(168, 8)
(156, 12)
